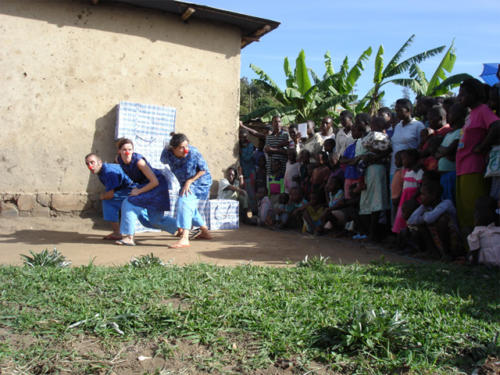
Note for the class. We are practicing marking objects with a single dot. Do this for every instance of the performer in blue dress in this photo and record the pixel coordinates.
(117, 187)
(151, 193)
(187, 164)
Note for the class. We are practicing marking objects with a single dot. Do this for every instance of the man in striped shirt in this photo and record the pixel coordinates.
(276, 145)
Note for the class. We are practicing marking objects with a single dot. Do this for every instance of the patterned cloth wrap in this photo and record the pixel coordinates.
(376, 141)
(149, 127)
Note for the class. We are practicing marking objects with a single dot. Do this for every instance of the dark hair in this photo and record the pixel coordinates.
(431, 176)
(363, 118)
(433, 187)
(484, 213)
(438, 110)
(92, 154)
(346, 113)
(459, 112)
(124, 141)
(427, 101)
(449, 101)
(412, 153)
(379, 122)
(177, 139)
(383, 110)
(475, 88)
(405, 103)
(329, 140)
(399, 154)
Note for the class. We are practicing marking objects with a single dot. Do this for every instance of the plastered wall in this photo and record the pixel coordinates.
(65, 65)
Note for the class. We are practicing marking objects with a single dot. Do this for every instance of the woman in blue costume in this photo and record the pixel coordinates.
(151, 193)
(191, 170)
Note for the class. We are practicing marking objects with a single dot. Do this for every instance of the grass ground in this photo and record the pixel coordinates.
(314, 318)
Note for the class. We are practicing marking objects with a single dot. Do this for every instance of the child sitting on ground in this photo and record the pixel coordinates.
(312, 215)
(280, 211)
(335, 196)
(436, 224)
(233, 187)
(264, 216)
(320, 174)
(484, 241)
(295, 206)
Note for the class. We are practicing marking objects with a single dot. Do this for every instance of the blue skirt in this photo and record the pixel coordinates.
(155, 199)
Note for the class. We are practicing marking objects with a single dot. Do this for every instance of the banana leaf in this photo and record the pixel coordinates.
(406, 64)
(356, 70)
(379, 66)
(301, 73)
(450, 83)
(446, 64)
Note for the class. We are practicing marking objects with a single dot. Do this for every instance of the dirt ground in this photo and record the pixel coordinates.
(80, 240)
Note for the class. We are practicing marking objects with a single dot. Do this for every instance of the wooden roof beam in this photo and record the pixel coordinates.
(187, 13)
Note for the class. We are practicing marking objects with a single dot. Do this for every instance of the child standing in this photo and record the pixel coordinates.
(397, 184)
(412, 179)
(447, 150)
(292, 171)
(275, 181)
(374, 200)
(351, 173)
(247, 163)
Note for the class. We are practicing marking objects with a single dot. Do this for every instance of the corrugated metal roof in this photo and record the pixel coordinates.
(252, 28)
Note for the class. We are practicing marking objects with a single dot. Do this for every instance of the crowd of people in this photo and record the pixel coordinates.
(426, 176)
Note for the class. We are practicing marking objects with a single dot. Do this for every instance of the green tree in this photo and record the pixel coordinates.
(253, 95)
(302, 100)
(439, 84)
(383, 76)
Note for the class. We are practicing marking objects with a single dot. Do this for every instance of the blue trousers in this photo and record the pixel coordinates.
(156, 219)
(188, 215)
(111, 208)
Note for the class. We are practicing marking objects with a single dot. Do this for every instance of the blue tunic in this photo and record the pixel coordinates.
(186, 167)
(114, 178)
(155, 199)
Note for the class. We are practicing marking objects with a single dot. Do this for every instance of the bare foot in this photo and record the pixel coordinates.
(183, 242)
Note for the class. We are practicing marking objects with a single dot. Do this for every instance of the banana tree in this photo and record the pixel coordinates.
(439, 84)
(340, 86)
(301, 100)
(382, 76)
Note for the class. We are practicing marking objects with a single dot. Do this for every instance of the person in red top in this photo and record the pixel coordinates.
(432, 137)
(472, 150)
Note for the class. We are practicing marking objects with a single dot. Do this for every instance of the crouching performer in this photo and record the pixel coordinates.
(151, 193)
(117, 187)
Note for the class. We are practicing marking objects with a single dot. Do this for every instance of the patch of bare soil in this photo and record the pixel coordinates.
(162, 356)
(80, 240)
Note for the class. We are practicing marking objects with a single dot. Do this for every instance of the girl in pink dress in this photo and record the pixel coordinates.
(412, 180)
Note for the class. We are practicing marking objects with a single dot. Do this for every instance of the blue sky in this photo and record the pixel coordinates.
(348, 27)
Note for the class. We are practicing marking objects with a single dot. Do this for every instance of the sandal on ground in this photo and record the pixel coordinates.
(194, 233)
(112, 237)
(123, 243)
